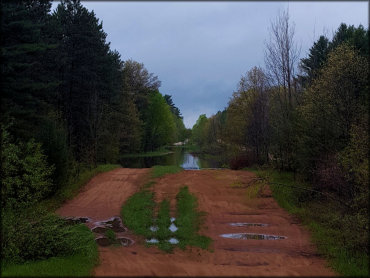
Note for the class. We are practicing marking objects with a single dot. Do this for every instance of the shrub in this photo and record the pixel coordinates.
(40, 236)
(26, 176)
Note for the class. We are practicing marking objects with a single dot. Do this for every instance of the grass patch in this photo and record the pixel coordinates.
(159, 171)
(163, 223)
(111, 236)
(188, 221)
(76, 246)
(333, 229)
(137, 212)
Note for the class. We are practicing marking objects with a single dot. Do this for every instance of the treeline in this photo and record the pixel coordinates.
(314, 122)
(69, 102)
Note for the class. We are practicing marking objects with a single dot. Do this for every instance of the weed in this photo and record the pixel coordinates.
(159, 171)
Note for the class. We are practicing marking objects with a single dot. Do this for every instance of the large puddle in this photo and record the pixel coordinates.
(253, 236)
(245, 224)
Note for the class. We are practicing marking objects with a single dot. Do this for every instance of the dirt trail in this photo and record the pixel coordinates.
(293, 256)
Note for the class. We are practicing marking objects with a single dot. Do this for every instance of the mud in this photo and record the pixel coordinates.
(252, 236)
(104, 195)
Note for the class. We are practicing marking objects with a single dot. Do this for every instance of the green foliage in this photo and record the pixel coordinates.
(338, 234)
(44, 245)
(188, 220)
(38, 235)
(335, 101)
(356, 38)
(160, 127)
(159, 171)
(198, 131)
(26, 176)
(137, 212)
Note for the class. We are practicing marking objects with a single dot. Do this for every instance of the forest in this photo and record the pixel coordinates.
(70, 104)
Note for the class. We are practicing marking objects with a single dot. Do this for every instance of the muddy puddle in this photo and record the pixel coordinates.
(172, 228)
(114, 223)
(253, 236)
(245, 224)
(172, 240)
(100, 228)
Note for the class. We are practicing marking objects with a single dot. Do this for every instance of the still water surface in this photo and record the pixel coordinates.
(178, 157)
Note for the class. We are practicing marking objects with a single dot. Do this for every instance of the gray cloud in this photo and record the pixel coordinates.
(199, 50)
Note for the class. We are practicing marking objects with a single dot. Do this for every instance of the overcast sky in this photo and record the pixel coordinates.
(199, 50)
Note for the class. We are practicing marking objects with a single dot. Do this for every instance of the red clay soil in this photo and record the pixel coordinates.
(224, 204)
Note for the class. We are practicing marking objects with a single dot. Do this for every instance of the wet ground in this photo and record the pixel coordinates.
(294, 255)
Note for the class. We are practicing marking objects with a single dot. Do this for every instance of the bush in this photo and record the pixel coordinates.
(242, 161)
(26, 176)
(40, 236)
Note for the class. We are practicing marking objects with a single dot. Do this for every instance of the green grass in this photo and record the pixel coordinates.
(79, 264)
(137, 212)
(163, 223)
(332, 233)
(110, 235)
(159, 171)
(188, 220)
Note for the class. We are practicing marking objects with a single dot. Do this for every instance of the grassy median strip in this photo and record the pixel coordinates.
(137, 212)
(138, 215)
(189, 220)
(163, 222)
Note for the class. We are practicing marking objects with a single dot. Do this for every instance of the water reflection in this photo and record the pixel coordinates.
(178, 156)
(190, 162)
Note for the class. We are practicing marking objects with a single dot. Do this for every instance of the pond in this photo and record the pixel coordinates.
(178, 156)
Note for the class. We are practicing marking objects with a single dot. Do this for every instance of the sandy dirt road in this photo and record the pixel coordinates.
(294, 256)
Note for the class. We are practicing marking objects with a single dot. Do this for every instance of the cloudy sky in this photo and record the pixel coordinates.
(199, 50)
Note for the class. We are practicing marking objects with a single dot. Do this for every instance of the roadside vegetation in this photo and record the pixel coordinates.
(37, 242)
(42, 244)
(334, 225)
